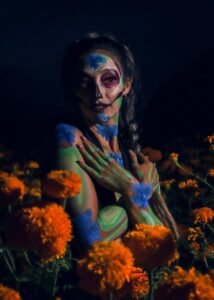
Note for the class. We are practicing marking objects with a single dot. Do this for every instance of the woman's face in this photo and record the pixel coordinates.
(99, 86)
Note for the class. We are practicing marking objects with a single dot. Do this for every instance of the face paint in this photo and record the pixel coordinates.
(140, 194)
(87, 228)
(107, 131)
(65, 134)
(99, 86)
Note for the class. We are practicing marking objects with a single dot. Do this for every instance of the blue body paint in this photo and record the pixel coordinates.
(102, 118)
(141, 193)
(117, 157)
(66, 133)
(94, 60)
(88, 229)
(107, 131)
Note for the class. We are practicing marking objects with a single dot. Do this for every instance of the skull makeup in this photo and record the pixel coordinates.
(99, 87)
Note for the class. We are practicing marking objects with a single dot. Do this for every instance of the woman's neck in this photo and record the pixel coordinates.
(107, 133)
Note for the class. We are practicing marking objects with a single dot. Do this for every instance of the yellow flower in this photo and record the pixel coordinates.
(185, 285)
(11, 190)
(42, 227)
(194, 233)
(211, 172)
(106, 267)
(7, 293)
(189, 184)
(32, 164)
(152, 246)
(203, 215)
(174, 156)
(61, 184)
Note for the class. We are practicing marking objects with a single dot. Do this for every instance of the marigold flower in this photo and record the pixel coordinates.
(210, 139)
(61, 184)
(4, 174)
(194, 233)
(185, 285)
(167, 183)
(42, 227)
(195, 246)
(211, 173)
(153, 154)
(203, 215)
(32, 165)
(136, 288)
(211, 148)
(188, 184)
(11, 190)
(7, 293)
(108, 265)
(174, 156)
(209, 251)
(152, 246)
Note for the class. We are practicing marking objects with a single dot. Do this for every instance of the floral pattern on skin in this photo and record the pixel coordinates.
(87, 228)
(94, 60)
(66, 133)
(107, 131)
(140, 194)
(117, 157)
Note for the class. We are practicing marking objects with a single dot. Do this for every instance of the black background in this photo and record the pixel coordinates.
(172, 41)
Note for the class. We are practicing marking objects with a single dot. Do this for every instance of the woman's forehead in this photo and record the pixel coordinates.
(95, 61)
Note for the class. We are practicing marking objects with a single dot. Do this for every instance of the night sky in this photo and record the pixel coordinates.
(172, 41)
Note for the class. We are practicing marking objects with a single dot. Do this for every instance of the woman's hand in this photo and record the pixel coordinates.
(144, 170)
(104, 169)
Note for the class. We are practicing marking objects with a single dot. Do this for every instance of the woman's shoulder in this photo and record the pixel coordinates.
(67, 134)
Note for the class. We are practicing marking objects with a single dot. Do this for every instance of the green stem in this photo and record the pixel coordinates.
(111, 296)
(55, 274)
(151, 286)
(195, 175)
(205, 262)
(10, 266)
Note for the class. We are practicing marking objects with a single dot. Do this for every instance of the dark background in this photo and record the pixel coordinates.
(173, 42)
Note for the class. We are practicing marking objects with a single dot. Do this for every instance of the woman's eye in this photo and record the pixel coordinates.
(109, 82)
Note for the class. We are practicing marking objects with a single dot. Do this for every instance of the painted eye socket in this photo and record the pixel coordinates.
(110, 79)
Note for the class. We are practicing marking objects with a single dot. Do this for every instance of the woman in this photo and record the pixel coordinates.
(101, 143)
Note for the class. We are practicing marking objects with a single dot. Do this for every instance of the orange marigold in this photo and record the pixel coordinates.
(185, 285)
(210, 139)
(61, 184)
(152, 246)
(11, 190)
(137, 288)
(32, 165)
(7, 293)
(203, 215)
(210, 173)
(42, 227)
(4, 174)
(194, 233)
(108, 265)
(174, 156)
(188, 184)
(211, 148)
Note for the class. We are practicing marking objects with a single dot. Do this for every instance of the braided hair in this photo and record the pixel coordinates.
(129, 129)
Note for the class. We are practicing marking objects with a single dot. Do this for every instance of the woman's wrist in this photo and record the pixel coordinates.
(138, 193)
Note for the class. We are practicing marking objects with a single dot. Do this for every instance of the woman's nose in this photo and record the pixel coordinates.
(98, 93)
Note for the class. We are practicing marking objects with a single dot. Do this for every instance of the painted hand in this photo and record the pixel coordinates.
(104, 169)
(144, 170)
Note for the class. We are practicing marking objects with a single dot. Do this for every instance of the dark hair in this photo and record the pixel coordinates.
(129, 129)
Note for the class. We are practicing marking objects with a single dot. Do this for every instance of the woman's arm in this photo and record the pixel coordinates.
(91, 223)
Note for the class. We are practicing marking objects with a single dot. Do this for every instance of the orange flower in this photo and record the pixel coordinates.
(61, 184)
(211, 172)
(203, 215)
(106, 268)
(195, 246)
(210, 139)
(189, 184)
(11, 190)
(153, 154)
(185, 285)
(167, 183)
(136, 288)
(152, 246)
(194, 234)
(32, 165)
(3, 174)
(211, 148)
(209, 251)
(7, 293)
(174, 156)
(44, 227)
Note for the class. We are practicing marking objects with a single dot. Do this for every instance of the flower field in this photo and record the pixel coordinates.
(36, 234)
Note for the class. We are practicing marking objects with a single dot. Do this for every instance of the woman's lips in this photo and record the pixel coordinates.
(99, 107)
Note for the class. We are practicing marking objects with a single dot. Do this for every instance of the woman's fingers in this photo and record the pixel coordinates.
(88, 169)
(133, 157)
(89, 159)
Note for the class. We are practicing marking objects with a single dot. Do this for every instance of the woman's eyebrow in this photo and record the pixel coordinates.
(110, 69)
